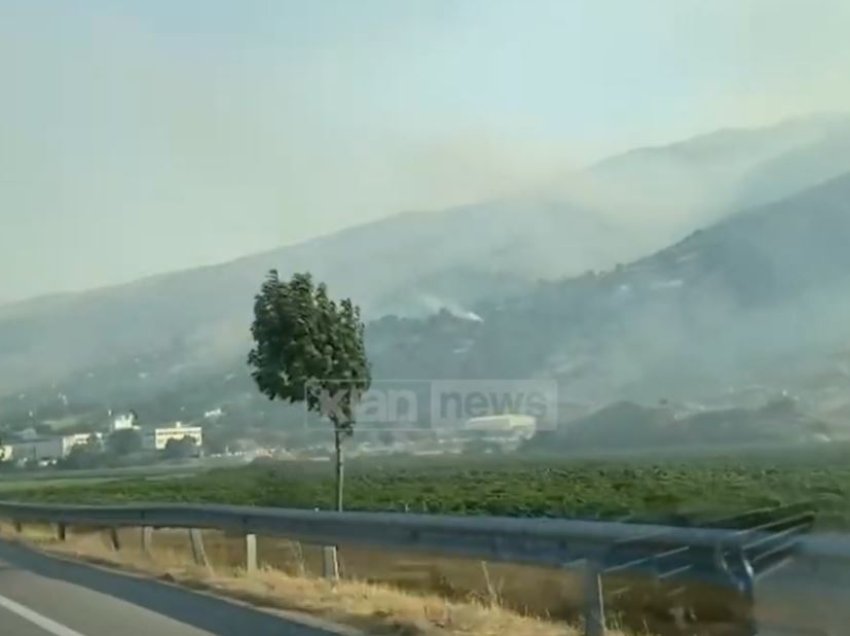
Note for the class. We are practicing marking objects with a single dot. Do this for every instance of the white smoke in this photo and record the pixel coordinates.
(435, 304)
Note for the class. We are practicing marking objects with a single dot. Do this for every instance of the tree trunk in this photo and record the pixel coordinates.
(329, 553)
(339, 467)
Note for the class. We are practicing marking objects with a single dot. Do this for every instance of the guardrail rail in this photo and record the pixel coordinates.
(732, 553)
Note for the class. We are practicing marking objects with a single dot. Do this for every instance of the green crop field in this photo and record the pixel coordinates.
(7, 485)
(53, 480)
(640, 489)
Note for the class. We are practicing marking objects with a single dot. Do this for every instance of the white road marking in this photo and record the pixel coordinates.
(48, 625)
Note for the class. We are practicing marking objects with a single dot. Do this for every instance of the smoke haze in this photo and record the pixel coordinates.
(156, 135)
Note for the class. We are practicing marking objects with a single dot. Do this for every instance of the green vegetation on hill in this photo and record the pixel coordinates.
(640, 489)
(630, 426)
(723, 308)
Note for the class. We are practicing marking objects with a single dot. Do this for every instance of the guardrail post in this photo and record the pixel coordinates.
(594, 602)
(199, 555)
(114, 541)
(60, 531)
(330, 562)
(748, 588)
(742, 579)
(147, 539)
(250, 553)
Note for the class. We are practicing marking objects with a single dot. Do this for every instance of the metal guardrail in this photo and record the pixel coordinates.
(758, 543)
(674, 557)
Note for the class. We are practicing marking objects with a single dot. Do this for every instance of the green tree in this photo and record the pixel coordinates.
(124, 442)
(182, 448)
(86, 455)
(309, 348)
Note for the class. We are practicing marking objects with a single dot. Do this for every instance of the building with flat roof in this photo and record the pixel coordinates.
(122, 422)
(158, 438)
(49, 448)
(503, 424)
(508, 431)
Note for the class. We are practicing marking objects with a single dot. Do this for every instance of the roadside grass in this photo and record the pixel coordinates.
(366, 606)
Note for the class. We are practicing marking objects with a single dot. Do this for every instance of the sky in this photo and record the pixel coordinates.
(143, 136)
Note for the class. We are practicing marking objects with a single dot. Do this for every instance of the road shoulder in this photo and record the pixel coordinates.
(197, 608)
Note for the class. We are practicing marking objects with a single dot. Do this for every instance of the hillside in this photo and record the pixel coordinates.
(410, 263)
(626, 426)
(180, 339)
(733, 169)
(716, 309)
(730, 318)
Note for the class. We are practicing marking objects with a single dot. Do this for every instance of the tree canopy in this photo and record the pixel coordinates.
(124, 442)
(182, 448)
(309, 348)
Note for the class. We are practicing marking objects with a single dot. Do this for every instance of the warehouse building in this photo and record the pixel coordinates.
(158, 438)
(49, 448)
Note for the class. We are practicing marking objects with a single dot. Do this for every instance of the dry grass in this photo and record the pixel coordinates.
(374, 608)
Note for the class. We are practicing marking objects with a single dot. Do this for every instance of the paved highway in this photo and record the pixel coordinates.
(805, 601)
(43, 596)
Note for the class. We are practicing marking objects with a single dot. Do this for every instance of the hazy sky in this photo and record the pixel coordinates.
(143, 136)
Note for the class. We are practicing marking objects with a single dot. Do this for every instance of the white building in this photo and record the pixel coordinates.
(508, 431)
(158, 438)
(503, 425)
(123, 422)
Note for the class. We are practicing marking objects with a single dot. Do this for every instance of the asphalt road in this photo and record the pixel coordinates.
(43, 596)
(803, 600)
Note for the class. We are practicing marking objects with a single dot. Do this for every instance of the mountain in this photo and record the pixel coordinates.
(133, 341)
(702, 179)
(735, 316)
(413, 263)
(719, 308)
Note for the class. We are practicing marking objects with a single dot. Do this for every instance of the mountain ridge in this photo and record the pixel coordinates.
(700, 322)
(348, 233)
(411, 264)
